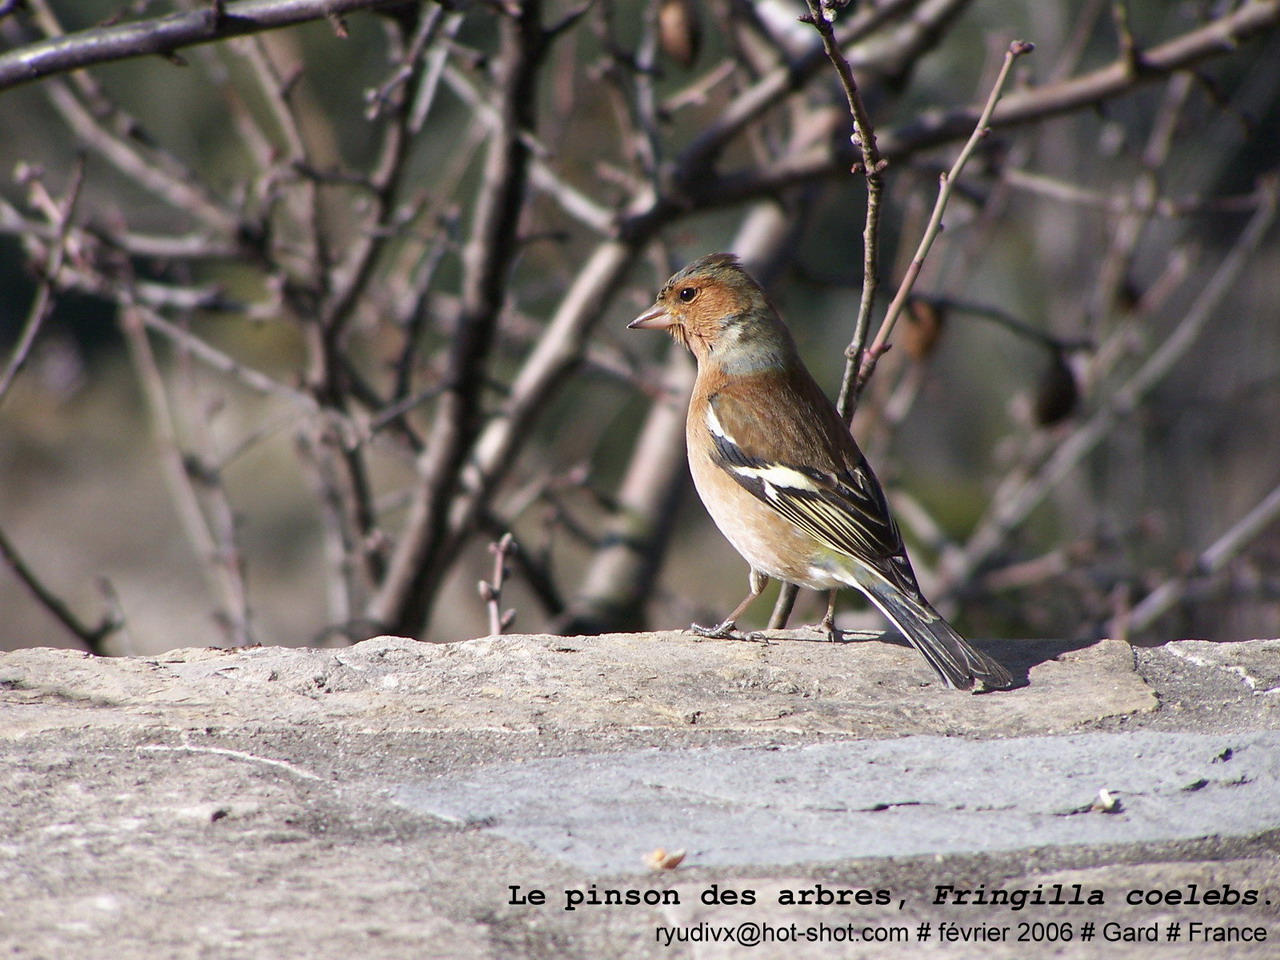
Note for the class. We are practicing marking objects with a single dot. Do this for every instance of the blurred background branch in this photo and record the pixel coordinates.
(166, 35)
(286, 348)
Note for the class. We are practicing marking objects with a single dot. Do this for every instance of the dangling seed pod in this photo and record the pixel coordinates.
(920, 336)
(1058, 393)
(679, 31)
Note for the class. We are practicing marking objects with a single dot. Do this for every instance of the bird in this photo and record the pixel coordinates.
(780, 473)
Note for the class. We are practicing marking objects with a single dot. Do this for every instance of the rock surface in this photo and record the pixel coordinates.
(404, 800)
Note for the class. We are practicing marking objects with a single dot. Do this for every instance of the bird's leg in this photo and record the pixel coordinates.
(828, 622)
(724, 629)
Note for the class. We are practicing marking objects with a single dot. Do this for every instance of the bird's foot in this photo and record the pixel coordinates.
(727, 630)
(827, 627)
(721, 631)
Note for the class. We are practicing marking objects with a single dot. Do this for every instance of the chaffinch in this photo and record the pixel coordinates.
(781, 475)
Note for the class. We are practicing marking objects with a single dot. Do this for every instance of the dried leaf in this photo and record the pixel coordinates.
(679, 31)
(923, 329)
(1058, 393)
(660, 859)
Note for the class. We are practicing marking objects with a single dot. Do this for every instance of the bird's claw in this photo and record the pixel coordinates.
(727, 631)
(721, 631)
(828, 630)
(827, 627)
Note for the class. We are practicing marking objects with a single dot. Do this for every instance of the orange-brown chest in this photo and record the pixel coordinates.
(770, 543)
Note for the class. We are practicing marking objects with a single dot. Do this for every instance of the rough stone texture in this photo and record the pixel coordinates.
(633, 681)
(380, 801)
(1257, 663)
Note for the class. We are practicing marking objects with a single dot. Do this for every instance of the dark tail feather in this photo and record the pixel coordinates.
(959, 664)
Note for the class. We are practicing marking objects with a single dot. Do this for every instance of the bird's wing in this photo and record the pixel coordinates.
(841, 506)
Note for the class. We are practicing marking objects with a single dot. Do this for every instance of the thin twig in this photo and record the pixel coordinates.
(391, 92)
(1186, 205)
(252, 378)
(103, 127)
(491, 590)
(1011, 507)
(167, 34)
(533, 567)
(1007, 320)
(771, 89)
(557, 352)
(221, 565)
(201, 459)
(573, 201)
(871, 165)
(619, 579)
(1216, 38)
(92, 637)
(417, 566)
(946, 184)
(43, 302)
(343, 584)
(1138, 213)
(1210, 561)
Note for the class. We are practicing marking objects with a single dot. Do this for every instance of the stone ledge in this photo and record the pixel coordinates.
(634, 681)
(381, 800)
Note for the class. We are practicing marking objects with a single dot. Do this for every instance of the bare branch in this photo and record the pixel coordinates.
(491, 590)
(1010, 508)
(222, 561)
(92, 637)
(1187, 205)
(407, 591)
(773, 88)
(409, 283)
(947, 183)
(621, 574)
(42, 304)
(934, 128)
(864, 140)
(574, 202)
(1220, 36)
(1210, 561)
(165, 35)
(556, 354)
(218, 360)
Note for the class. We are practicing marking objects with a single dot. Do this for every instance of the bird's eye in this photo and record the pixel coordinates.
(688, 293)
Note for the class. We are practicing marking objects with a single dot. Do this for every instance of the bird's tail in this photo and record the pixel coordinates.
(958, 663)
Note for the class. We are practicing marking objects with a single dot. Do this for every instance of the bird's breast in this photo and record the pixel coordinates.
(768, 541)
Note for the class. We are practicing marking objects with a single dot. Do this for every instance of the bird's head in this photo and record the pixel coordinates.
(718, 311)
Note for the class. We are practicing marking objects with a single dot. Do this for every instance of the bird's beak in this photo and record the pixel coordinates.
(655, 318)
